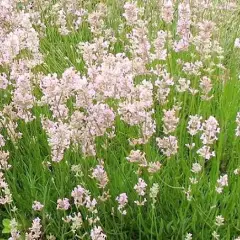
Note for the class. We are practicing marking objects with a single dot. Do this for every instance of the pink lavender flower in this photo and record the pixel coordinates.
(97, 233)
(79, 195)
(170, 121)
(221, 183)
(3, 81)
(168, 145)
(35, 230)
(237, 43)
(154, 167)
(210, 129)
(206, 87)
(159, 45)
(5, 194)
(15, 233)
(196, 168)
(140, 187)
(59, 138)
(183, 85)
(167, 11)
(76, 221)
(131, 12)
(122, 201)
(37, 206)
(205, 152)
(63, 204)
(194, 124)
(100, 175)
(136, 156)
(4, 156)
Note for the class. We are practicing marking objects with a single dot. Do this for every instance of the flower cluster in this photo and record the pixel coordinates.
(122, 200)
(168, 145)
(35, 230)
(140, 188)
(210, 129)
(221, 183)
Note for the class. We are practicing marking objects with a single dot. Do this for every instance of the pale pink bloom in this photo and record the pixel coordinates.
(168, 145)
(6, 196)
(237, 43)
(136, 156)
(154, 167)
(193, 68)
(184, 20)
(100, 175)
(23, 99)
(63, 204)
(205, 29)
(140, 43)
(15, 233)
(221, 183)
(183, 27)
(206, 87)
(194, 124)
(223, 180)
(2, 141)
(131, 12)
(167, 11)
(95, 18)
(58, 138)
(62, 22)
(91, 203)
(100, 118)
(203, 41)
(35, 230)
(181, 45)
(205, 152)
(3, 81)
(210, 128)
(56, 91)
(159, 45)
(163, 87)
(132, 113)
(122, 201)
(37, 206)
(196, 168)
(148, 127)
(140, 187)
(97, 233)
(183, 85)
(170, 121)
(79, 195)
(4, 156)
(76, 221)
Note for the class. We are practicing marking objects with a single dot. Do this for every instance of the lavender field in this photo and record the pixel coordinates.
(119, 120)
